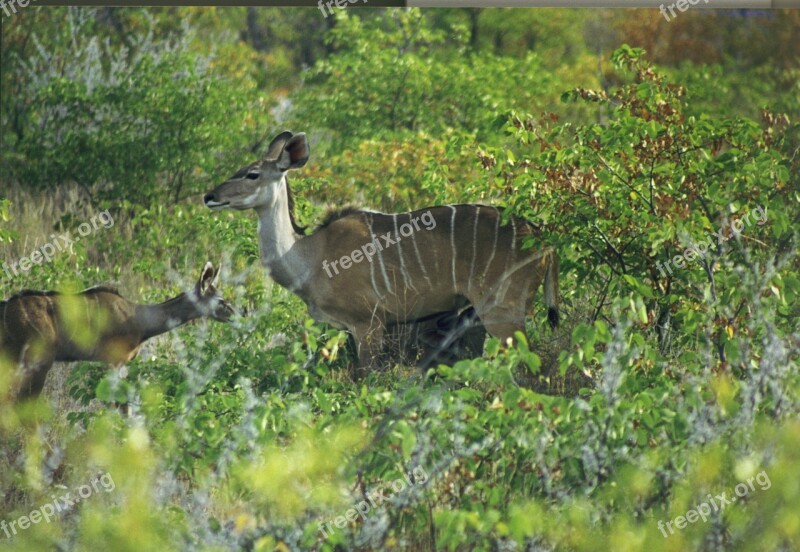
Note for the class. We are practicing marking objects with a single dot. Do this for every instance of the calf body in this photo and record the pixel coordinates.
(38, 328)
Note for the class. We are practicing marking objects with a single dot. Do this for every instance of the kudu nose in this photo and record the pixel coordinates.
(209, 197)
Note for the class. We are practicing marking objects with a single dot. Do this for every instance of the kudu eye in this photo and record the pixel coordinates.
(253, 175)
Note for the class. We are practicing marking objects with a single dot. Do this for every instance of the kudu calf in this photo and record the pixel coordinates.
(441, 338)
(40, 327)
(461, 255)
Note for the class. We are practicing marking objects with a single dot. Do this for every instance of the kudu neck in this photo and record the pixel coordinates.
(277, 229)
(153, 320)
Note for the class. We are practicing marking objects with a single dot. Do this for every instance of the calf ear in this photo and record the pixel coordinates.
(206, 278)
(295, 153)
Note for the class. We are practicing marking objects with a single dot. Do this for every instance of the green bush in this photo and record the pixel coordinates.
(143, 122)
(251, 436)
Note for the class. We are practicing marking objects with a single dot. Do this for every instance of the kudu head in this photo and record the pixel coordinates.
(206, 297)
(258, 184)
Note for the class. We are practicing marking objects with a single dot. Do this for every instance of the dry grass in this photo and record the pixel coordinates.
(36, 216)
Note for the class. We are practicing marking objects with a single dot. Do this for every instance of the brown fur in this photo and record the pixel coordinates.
(336, 213)
(38, 328)
(501, 292)
(464, 256)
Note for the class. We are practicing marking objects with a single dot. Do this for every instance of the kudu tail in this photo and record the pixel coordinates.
(551, 287)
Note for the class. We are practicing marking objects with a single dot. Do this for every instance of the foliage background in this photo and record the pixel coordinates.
(624, 137)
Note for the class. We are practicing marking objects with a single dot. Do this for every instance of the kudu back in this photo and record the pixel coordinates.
(366, 271)
(38, 328)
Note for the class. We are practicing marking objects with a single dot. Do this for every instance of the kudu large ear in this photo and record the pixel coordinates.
(295, 153)
(207, 279)
(276, 146)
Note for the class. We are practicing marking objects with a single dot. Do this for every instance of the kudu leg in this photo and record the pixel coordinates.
(458, 336)
(501, 321)
(471, 335)
(503, 313)
(369, 342)
(34, 370)
(443, 338)
(401, 342)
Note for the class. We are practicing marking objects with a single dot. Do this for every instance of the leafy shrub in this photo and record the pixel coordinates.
(250, 435)
(139, 122)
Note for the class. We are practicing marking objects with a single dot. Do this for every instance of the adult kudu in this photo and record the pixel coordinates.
(465, 256)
